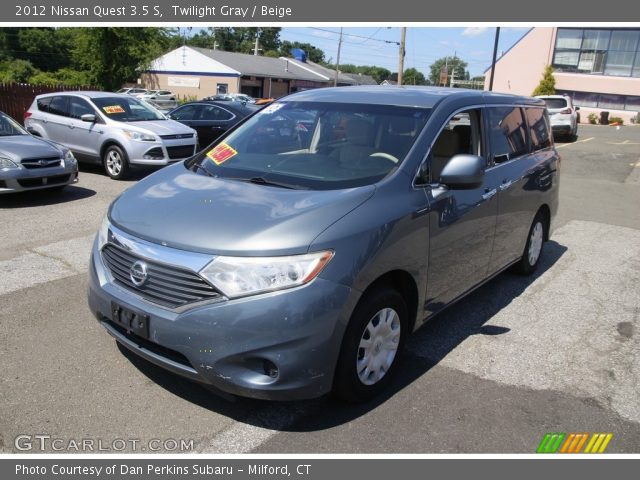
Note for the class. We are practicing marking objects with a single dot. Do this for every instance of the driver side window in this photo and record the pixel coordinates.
(460, 135)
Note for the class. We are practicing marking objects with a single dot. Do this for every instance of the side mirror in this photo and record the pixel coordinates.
(577, 108)
(463, 172)
(88, 117)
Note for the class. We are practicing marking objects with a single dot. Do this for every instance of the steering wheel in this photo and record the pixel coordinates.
(386, 156)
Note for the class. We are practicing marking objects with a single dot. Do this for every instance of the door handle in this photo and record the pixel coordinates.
(505, 185)
(489, 194)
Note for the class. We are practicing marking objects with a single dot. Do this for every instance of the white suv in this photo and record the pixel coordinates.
(115, 130)
(563, 115)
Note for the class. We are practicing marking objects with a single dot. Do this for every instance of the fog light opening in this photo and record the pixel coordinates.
(270, 369)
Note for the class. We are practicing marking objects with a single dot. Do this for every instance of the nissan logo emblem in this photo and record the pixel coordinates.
(138, 273)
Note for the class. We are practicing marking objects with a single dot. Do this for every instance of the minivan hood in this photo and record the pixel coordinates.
(19, 147)
(160, 127)
(184, 210)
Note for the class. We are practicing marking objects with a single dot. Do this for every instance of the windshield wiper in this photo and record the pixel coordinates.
(204, 169)
(264, 181)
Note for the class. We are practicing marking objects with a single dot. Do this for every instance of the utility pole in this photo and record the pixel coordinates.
(255, 49)
(335, 80)
(493, 62)
(453, 69)
(403, 36)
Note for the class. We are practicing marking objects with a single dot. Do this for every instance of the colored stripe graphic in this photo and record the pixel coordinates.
(573, 443)
(598, 443)
(550, 443)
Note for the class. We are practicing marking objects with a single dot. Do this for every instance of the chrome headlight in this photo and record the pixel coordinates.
(242, 276)
(6, 164)
(141, 137)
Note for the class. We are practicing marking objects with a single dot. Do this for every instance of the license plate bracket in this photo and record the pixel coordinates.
(132, 321)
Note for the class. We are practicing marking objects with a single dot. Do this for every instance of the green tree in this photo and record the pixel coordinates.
(46, 48)
(18, 71)
(547, 85)
(112, 56)
(411, 76)
(455, 66)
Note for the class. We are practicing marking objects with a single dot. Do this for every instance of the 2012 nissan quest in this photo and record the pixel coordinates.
(292, 258)
(114, 130)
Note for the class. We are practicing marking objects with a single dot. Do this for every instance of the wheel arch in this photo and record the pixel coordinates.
(406, 285)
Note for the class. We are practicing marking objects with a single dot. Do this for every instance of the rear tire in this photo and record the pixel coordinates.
(371, 346)
(533, 248)
(116, 163)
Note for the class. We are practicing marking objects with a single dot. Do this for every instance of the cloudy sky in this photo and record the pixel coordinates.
(366, 46)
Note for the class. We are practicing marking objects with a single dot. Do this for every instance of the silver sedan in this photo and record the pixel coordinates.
(29, 163)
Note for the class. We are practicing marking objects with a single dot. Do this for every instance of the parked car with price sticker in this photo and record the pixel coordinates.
(295, 254)
(117, 131)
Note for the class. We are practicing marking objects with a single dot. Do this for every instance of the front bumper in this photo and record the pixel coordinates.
(228, 344)
(23, 179)
(161, 153)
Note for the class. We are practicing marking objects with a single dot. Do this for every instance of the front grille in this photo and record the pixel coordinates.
(41, 162)
(41, 182)
(151, 346)
(180, 151)
(177, 137)
(165, 285)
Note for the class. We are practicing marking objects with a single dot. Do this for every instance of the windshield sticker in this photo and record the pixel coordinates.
(221, 153)
(113, 109)
(274, 107)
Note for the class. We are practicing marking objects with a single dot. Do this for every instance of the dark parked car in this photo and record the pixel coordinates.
(210, 118)
(29, 163)
(287, 262)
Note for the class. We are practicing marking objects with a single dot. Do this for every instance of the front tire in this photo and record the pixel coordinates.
(533, 248)
(371, 346)
(115, 162)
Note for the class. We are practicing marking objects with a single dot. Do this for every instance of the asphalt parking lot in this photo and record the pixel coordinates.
(520, 357)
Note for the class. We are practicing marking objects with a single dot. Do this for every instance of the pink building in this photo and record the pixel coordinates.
(598, 67)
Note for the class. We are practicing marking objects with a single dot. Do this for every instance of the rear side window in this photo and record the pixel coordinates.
(538, 128)
(507, 133)
(59, 106)
(43, 103)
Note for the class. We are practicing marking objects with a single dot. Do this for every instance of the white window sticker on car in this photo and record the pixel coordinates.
(274, 107)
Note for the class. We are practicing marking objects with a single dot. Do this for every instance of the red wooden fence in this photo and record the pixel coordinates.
(16, 98)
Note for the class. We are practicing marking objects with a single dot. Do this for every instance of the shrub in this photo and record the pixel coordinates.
(593, 118)
(547, 85)
(616, 121)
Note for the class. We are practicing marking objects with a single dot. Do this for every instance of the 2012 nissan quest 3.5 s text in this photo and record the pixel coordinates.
(291, 259)
(114, 130)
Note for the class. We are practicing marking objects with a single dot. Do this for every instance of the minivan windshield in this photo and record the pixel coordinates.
(315, 145)
(9, 127)
(126, 109)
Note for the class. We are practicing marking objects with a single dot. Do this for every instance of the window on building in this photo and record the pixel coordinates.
(612, 52)
(604, 100)
(222, 88)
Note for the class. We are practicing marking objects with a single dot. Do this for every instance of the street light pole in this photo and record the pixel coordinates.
(493, 61)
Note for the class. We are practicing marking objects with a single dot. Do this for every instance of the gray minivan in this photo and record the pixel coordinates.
(290, 259)
(114, 130)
